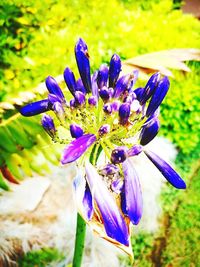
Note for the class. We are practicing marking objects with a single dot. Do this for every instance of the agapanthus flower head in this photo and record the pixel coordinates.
(109, 122)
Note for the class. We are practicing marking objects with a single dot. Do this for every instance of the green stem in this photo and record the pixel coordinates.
(80, 223)
(79, 243)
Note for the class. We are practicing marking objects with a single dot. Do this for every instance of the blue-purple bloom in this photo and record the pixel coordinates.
(104, 112)
(48, 125)
(75, 130)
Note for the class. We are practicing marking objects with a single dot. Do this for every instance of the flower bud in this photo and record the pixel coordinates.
(134, 150)
(53, 98)
(158, 96)
(104, 129)
(149, 131)
(107, 108)
(102, 77)
(72, 103)
(124, 113)
(115, 105)
(48, 125)
(80, 98)
(70, 80)
(54, 88)
(104, 93)
(121, 85)
(80, 87)
(92, 100)
(59, 111)
(83, 63)
(76, 131)
(119, 155)
(114, 70)
(130, 97)
(150, 87)
(139, 93)
(35, 108)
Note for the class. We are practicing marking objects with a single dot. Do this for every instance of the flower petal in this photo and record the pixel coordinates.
(80, 87)
(54, 88)
(172, 177)
(102, 77)
(83, 63)
(70, 80)
(149, 131)
(75, 130)
(114, 69)
(114, 223)
(150, 87)
(77, 147)
(132, 194)
(122, 85)
(158, 96)
(124, 113)
(35, 108)
(88, 203)
(94, 85)
(48, 125)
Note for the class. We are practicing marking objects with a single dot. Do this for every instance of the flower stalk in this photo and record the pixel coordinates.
(79, 241)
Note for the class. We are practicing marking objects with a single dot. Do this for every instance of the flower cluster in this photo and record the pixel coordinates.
(109, 122)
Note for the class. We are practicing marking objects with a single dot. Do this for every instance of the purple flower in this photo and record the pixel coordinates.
(76, 131)
(102, 77)
(121, 85)
(172, 177)
(107, 108)
(104, 93)
(48, 125)
(114, 69)
(92, 100)
(104, 129)
(80, 87)
(149, 130)
(54, 88)
(77, 147)
(134, 150)
(53, 99)
(35, 108)
(114, 223)
(79, 97)
(88, 203)
(158, 96)
(150, 87)
(119, 123)
(119, 155)
(124, 112)
(83, 63)
(131, 196)
(59, 111)
(70, 80)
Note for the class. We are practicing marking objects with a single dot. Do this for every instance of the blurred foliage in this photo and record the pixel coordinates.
(41, 258)
(183, 210)
(38, 37)
(184, 230)
(180, 111)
